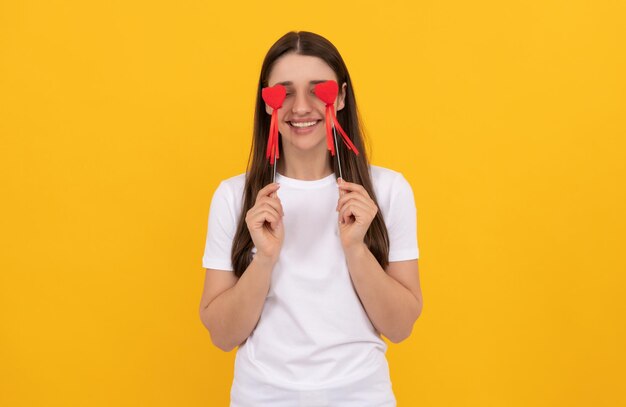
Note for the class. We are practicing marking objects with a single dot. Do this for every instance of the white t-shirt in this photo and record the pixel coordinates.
(314, 344)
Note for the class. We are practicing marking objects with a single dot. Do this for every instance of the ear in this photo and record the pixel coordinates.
(268, 109)
(342, 96)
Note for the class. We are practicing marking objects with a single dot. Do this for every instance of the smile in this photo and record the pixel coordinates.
(302, 125)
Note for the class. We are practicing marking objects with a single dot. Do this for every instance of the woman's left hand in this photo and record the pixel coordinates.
(356, 212)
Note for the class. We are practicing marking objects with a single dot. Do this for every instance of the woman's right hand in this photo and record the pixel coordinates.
(265, 223)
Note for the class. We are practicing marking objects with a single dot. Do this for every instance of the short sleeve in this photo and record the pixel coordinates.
(221, 230)
(401, 222)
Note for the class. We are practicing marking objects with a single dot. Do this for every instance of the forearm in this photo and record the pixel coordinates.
(391, 307)
(232, 315)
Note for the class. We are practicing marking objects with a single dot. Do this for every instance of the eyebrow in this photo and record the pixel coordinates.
(289, 83)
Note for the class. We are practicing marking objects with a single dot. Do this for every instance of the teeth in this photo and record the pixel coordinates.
(303, 124)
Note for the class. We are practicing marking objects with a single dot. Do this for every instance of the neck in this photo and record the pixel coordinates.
(305, 165)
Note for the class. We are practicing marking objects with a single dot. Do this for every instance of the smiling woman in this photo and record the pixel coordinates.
(305, 274)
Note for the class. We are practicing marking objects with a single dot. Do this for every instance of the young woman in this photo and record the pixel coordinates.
(304, 274)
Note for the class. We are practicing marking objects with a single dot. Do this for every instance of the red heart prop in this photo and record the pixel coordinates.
(327, 91)
(274, 96)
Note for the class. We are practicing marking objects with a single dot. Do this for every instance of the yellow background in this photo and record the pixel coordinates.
(118, 119)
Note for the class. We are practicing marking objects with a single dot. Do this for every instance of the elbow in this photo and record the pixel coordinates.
(398, 337)
(401, 334)
(219, 342)
(222, 345)
(405, 333)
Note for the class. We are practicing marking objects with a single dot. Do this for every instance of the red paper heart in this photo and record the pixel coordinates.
(274, 96)
(327, 91)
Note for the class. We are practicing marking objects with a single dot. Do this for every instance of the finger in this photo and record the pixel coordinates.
(352, 196)
(346, 213)
(266, 214)
(355, 209)
(355, 192)
(273, 225)
(273, 202)
(264, 203)
(350, 186)
(344, 200)
(267, 190)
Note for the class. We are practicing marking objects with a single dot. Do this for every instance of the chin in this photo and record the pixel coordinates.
(305, 143)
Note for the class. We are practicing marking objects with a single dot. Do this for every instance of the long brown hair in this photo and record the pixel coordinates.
(355, 168)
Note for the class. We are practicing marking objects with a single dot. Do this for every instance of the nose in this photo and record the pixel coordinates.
(301, 104)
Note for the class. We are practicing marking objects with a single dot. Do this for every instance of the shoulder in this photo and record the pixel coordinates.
(234, 182)
(232, 186)
(394, 194)
(387, 181)
(382, 173)
(230, 192)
